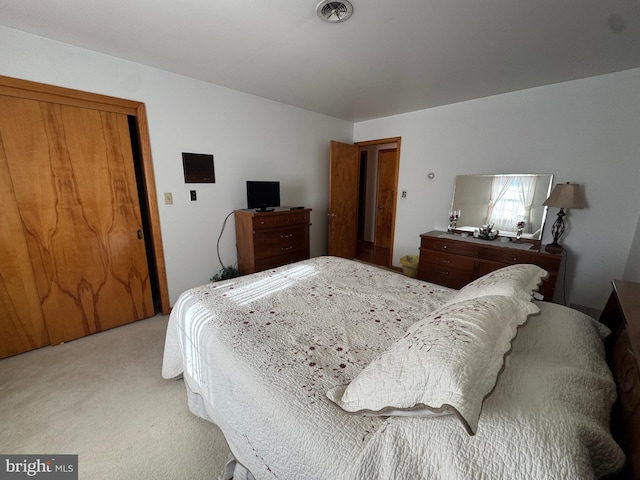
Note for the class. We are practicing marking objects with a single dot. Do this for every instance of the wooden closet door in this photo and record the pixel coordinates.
(73, 177)
(21, 321)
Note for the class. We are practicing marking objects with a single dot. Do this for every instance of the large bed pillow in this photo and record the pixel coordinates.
(447, 362)
(519, 280)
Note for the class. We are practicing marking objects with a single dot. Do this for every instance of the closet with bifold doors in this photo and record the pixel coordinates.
(73, 258)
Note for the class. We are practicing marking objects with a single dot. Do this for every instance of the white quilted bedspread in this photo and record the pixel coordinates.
(263, 350)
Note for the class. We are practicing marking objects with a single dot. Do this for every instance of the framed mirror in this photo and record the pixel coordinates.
(502, 200)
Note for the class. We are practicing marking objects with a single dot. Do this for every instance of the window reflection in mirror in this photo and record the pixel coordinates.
(503, 200)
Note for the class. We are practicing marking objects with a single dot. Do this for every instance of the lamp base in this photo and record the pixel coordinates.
(553, 248)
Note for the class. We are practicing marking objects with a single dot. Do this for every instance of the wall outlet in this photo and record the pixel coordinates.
(168, 198)
(194, 197)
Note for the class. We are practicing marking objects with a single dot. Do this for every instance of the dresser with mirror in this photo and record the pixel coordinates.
(506, 202)
(502, 200)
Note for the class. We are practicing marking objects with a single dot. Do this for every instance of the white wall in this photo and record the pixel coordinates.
(250, 138)
(632, 270)
(585, 131)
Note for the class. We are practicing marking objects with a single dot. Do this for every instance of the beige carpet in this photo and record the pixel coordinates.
(103, 397)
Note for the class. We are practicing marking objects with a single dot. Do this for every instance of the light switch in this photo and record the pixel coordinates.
(168, 198)
(194, 197)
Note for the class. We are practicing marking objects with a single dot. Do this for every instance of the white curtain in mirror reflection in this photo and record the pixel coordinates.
(511, 202)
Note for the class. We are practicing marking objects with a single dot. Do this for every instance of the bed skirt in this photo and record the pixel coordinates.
(233, 470)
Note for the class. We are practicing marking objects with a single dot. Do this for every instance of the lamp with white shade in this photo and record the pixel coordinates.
(563, 195)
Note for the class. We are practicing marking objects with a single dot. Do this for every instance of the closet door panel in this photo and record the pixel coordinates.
(126, 246)
(22, 325)
(107, 191)
(31, 161)
(78, 201)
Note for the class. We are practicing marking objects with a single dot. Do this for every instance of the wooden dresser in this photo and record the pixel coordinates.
(269, 239)
(454, 262)
(622, 316)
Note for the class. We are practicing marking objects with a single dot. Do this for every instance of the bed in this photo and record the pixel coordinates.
(331, 368)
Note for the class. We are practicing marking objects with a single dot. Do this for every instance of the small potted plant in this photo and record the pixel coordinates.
(225, 274)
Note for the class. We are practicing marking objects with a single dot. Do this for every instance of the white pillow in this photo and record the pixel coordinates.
(447, 362)
(519, 280)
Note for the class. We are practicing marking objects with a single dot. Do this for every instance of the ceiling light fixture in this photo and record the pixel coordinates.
(334, 12)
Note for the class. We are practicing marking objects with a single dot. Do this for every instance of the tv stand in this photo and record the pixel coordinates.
(264, 209)
(270, 239)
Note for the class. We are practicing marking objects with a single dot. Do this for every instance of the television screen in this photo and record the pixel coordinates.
(263, 195)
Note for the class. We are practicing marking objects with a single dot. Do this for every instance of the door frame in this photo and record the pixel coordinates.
(382, 141)
(49, 93)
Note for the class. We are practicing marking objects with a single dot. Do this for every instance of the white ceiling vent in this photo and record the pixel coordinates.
(334, 12)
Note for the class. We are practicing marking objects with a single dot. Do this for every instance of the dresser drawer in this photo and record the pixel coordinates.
(447, 260)
(446, 276)
(272, 220)
(450, 246)
(548, 287)
(551, 263)
(279, 260)
(280, 241)
(505, 255)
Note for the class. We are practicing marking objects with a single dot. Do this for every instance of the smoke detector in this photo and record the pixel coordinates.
(334, 12)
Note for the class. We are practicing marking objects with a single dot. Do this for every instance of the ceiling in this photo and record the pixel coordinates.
(390, 57)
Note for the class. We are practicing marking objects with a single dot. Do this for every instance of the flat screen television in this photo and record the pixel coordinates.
(263, 196)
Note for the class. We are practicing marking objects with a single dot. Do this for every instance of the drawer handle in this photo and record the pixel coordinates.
(284, 249)
(442, 260)
(440, 271)
(515, 259)
(444, 246)
(289, 235)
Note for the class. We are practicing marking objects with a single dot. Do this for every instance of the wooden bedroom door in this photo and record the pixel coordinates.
(74, 183)
(344, 172)
(386, 193)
